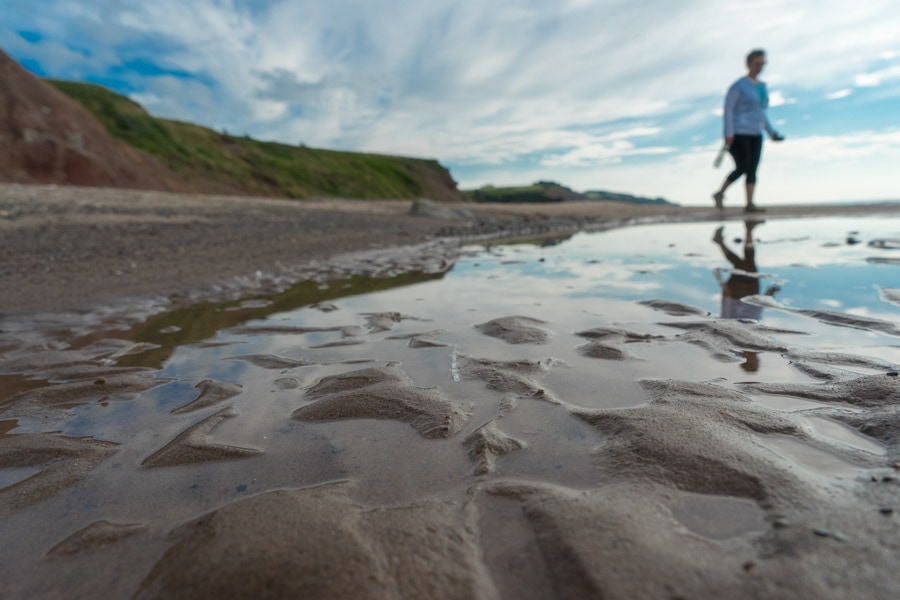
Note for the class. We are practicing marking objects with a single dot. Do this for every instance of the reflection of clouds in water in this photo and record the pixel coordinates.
(831, 303)
(604, 272)
(208, 363)
(870, 312)
(891, 296)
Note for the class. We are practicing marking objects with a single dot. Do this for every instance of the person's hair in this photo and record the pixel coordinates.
(754, 54)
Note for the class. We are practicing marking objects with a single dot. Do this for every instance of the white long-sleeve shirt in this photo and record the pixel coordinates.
(745, 108)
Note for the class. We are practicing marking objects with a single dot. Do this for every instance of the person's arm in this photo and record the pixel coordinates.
(731, 100)
(769, 129)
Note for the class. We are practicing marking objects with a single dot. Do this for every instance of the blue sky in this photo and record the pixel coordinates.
(597, 94)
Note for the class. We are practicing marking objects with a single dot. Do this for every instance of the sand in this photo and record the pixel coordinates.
(340, 466)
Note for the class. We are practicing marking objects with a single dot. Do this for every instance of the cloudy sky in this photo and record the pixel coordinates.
(619, 95)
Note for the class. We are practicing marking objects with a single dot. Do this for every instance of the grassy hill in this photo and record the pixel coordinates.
(215, 162)
(550, 191)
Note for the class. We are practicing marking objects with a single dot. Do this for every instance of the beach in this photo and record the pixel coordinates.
(66, 247)
(175, 422)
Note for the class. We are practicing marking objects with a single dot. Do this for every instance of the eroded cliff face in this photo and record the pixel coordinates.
(48, 138)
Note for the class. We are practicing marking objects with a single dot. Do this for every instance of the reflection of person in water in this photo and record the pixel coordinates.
(744, 280)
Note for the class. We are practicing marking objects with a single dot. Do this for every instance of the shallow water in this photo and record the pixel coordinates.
(834, 281)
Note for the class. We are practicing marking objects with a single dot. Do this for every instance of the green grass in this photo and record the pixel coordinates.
(213, 161)
(202, 321)
(550, 191)
(527, 193)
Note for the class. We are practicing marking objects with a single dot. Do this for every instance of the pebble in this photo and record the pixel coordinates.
(832, 534)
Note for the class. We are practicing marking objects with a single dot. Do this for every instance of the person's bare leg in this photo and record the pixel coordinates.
(719, 196)
(750, 188)
(724, 185)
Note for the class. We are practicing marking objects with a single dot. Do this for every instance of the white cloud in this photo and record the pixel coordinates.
(837, 95)
(867, 80)
(876, 78)
(776, 98)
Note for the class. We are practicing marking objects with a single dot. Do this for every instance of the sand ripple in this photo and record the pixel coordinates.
(675, 309)
(64, 461)
(874, 391)
(724, 338)
(67, 395)
(383, 393)
(609, 342)
(830, 317)
(516, 379)
(192, 446)
(317, 543)
(271, 361)
(211, 392)
(516, 330)
(486, 443)
(699, 438)
(96, 535)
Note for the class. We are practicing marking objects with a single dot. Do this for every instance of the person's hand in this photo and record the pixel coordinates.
(777, 137)
(729, 140)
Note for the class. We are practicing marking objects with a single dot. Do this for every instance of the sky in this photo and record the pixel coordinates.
(615, 95)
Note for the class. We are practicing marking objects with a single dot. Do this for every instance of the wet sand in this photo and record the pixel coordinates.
(391, 453)
(65, 248)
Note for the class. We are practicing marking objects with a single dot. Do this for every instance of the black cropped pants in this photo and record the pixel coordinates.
(745, 150)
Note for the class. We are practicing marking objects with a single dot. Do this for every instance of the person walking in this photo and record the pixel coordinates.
(745, 118)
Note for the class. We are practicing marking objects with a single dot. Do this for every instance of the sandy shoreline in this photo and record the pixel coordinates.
(399, 445)
(65, 248)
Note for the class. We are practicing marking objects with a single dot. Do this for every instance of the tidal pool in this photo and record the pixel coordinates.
(420, 387)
